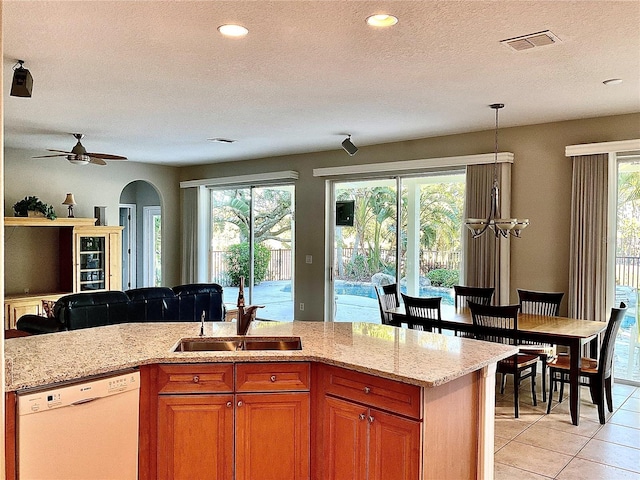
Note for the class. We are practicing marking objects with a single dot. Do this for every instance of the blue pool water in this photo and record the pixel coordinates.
(368, 290)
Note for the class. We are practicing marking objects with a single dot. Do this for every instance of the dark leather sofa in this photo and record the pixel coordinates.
(183, 303)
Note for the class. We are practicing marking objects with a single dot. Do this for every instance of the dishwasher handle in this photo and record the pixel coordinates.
(83, 401)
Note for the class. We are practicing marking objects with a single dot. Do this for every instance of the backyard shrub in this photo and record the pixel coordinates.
(237, 260)
(441, 277)
(357, 268)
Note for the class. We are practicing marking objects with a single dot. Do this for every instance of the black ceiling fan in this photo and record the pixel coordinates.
(79, 155)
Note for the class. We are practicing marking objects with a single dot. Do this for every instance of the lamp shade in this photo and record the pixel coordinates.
(69, 200)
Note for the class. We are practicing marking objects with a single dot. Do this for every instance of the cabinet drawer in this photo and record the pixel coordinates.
(273, 376)
(195, 378)
(373, 391)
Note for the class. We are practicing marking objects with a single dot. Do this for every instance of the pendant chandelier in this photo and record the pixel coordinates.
(501, 227)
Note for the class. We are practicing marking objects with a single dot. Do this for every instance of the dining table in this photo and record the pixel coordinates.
(573, 333)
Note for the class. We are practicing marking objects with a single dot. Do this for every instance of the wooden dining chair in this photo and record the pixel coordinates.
(463, 295)
(500, 324)
(540, 303)
(418, 308)
(594, 373)
(387, 300)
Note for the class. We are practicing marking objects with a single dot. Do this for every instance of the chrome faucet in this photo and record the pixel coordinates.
(245, 314)
(202, 324)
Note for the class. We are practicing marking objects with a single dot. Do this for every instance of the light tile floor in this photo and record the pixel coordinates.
(538, 446)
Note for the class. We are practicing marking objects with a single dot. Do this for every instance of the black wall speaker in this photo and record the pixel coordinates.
(344, 213)
(349, 147)
(22, 83)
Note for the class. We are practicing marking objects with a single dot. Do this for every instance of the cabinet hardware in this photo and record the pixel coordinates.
(229, 404)
(362, 416)
(196, 379)
(367, 390)
(371, 419)
(273, 378)
(239, 403)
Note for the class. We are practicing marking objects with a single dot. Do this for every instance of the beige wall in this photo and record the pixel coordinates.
(91, 185)
(541, 184)
(541, 192)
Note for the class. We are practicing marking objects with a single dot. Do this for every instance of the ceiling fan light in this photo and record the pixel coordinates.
(78, 159)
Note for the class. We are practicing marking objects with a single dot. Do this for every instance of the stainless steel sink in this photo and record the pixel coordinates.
(238, 343)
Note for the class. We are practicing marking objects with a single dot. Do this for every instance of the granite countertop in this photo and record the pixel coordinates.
(419, 358)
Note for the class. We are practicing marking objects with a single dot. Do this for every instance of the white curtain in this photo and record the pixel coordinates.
(588, 254)
(189, 273)
(486, 259)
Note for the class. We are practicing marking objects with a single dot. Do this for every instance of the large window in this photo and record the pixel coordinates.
(252, 232)
(627, 268)
(419, 248)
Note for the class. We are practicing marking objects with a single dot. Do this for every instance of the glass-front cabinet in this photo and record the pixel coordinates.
(96, 258)
(93, 268)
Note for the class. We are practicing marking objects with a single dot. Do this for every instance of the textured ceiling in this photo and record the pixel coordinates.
(154, 80)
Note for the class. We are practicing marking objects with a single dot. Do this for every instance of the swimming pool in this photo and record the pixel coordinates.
(368, 290)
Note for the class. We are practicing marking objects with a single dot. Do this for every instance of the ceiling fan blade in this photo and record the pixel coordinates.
(97, 161)
(56, 155)
(61, 151)
(106, 156)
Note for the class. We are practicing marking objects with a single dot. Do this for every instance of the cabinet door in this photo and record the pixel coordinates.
(114, 258)
(272, 436)
(394, 447)
(195, 437)
(345, 440)
(17, 309)
(92, 263)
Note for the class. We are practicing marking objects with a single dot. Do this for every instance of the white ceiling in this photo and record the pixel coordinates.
(154, 80)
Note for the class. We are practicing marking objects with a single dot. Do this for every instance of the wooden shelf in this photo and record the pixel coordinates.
(45, 222)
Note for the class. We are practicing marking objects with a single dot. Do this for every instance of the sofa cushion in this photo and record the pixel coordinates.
(152, 304)
(38, 324)
(92, 309)
(196, 298)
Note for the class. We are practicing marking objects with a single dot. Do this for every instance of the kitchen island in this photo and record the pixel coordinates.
(452, 378)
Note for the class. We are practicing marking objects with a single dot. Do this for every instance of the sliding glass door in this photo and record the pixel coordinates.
(412, 239)
(627, 269)
(252, 237)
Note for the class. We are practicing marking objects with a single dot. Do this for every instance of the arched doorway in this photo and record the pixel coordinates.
(141, 217)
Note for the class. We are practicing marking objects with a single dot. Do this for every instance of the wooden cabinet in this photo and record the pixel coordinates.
(96, 258)
(224, 421)
(89, 259)
(17, 305)
(195, 436)
(370, 427)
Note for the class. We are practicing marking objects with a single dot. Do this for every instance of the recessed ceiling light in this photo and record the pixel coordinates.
(221, 140)
(613, 81)
(231, 30)
(382, 20)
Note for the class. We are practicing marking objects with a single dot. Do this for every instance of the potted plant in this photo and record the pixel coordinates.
(24, 207)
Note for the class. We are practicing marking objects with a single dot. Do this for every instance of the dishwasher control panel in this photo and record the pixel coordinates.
(75, 394)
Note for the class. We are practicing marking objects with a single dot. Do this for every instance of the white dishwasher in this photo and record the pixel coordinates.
(86, 430)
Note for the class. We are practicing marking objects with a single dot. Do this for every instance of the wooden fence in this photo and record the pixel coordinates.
(280, 263)
(628, 271)
(627, 268)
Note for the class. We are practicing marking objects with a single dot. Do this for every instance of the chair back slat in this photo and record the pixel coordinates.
(463, 295)
(609, 340)
(387, 300)
(422, 308)
(540, 303)
(495, 323)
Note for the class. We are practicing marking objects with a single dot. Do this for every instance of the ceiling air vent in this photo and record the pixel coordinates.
(533, 40)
